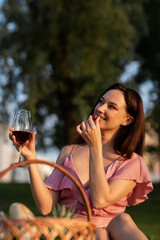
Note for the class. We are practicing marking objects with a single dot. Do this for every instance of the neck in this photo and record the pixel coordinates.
(108, 137)
(108, 143)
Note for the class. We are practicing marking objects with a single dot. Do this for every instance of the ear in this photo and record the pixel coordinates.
(129, 120)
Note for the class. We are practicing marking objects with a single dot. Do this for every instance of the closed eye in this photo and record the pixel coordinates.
(112, 106)
(101, 100)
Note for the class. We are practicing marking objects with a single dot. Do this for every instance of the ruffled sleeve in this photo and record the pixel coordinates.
(58, 180)
(134, 169)
(55, 179)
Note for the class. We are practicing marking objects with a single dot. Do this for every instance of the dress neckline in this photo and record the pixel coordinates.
(75, 170)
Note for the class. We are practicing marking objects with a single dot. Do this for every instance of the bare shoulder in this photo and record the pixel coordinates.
(65, 151)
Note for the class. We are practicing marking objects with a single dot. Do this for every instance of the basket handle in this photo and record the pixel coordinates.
(77, 183)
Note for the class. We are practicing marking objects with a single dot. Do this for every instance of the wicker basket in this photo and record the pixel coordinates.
(45, 228)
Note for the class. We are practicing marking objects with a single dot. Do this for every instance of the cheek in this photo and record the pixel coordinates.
(112, 114)
(96, 109)
(115, 118)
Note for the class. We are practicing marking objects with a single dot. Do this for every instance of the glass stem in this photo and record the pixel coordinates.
(21, 157)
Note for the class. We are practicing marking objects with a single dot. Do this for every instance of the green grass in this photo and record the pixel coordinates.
(13, 192)
(146, 215)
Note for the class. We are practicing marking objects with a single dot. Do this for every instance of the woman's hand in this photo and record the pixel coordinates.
(90, 131)
(28, 148)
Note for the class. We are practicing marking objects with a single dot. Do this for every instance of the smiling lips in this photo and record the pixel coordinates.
(95, 116)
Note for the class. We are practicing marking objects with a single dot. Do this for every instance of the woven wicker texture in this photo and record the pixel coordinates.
(45, 228)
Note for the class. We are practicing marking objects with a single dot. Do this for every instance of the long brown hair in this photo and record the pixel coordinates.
(129, 138)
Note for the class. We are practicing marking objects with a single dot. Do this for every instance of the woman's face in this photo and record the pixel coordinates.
(111, 109)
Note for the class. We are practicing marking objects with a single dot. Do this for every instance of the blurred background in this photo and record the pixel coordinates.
(57, 57)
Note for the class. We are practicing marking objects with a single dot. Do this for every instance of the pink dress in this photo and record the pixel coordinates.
(131, 169)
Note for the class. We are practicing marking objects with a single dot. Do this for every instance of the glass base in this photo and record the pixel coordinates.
(21, 159)
(24, 166)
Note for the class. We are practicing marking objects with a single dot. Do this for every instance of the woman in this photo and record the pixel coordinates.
(107, 162)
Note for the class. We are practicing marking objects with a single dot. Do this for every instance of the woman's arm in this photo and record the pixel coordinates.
(102, 193)
(44, 198)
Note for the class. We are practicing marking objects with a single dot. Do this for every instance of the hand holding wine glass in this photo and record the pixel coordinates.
(22, 128)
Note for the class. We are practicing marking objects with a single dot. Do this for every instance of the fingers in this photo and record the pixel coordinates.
(33, 136)
(79, 129)
(32, 139)
(13, 139)
(88, 125)
(92, 124)
(10, 134)
(15, 143)
(97, 121)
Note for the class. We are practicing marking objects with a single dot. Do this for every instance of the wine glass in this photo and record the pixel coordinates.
(22, 128)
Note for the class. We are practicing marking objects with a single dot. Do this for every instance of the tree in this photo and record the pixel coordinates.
(148, 47)
(63, 54)
(149, 52)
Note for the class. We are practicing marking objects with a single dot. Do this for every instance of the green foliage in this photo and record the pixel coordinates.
(151, 149)
(63, 54)
(149, 48)
(149, 52)
(155, 117)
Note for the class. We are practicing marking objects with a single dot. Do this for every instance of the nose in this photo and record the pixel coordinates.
(101, 108)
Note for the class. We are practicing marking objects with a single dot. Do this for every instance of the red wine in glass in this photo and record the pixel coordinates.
(22, 136)
(22, 128)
